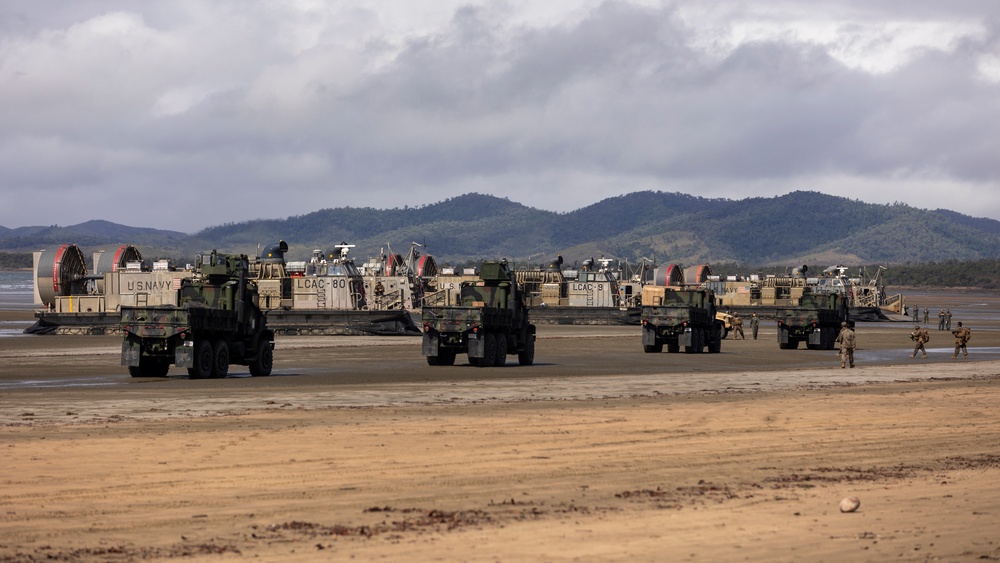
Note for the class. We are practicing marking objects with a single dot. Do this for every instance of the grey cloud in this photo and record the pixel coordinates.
(235, 116)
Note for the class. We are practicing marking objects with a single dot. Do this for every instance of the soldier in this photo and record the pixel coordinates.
(941, 320)
(738, 328)
(847, 343)
(962, 336)
(754, 325)
(926, 316)
(921, 337)
(947, 319)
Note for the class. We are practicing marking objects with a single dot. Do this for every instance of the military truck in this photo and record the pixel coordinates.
(815, 321)
(491, 322)
(217, 322)
(680, 317)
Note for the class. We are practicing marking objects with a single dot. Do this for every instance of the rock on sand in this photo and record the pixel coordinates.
(849, 504)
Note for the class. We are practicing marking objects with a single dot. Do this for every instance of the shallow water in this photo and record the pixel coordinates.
(69, 382)
(17, 290)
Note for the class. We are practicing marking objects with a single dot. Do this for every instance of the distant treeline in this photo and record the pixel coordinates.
(15, 260)
(979, 274)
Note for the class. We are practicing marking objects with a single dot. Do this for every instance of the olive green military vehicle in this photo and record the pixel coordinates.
(680, 317)
(217, 322)
(491, 322)
(815, 321)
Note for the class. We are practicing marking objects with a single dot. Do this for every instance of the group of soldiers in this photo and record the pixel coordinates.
(848, 341)
(738, 327)
(845, 338)
(921, 336)
(944, 317)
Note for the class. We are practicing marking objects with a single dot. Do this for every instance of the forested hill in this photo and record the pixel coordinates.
(800, 227)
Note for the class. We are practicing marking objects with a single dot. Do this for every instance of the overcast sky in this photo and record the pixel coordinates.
(184, 114)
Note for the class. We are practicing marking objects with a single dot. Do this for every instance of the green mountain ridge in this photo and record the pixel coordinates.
(799, 227)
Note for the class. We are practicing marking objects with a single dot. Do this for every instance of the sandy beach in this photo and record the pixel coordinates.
(356, 449)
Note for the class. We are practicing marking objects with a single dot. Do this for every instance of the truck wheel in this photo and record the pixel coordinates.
(526, 357)
(160, 369)
(434, 360)
(489, 350)
(652, 348)
(220, 352)
(263, 360)
(715, 343)
(501, 351)
(204, 359)
(791, 345)
(699, 341)
(673, 348)
(446, 358)
(149, 367)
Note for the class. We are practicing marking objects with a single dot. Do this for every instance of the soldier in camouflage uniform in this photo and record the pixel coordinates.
(921, 337)
(926, 315)
(738, 328)
(941, 320)
(962, 336)
(754, 325)
(848, 343)
(947, 319)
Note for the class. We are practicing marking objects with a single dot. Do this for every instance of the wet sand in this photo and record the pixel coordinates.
(355, 448)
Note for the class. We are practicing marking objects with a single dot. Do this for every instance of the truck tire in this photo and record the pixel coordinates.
(446, 357)
(791, 345)
(652, 348)
(489, 350)
(220, 354)
(204, 360)
(526, 356)
(831, 340)
(501, 359)
(149, 367)
(699, 341)
(263, 359)
(715, 343)
(673, 348)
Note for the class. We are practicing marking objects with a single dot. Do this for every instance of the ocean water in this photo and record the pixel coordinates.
(17, 292)
(16, 289)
